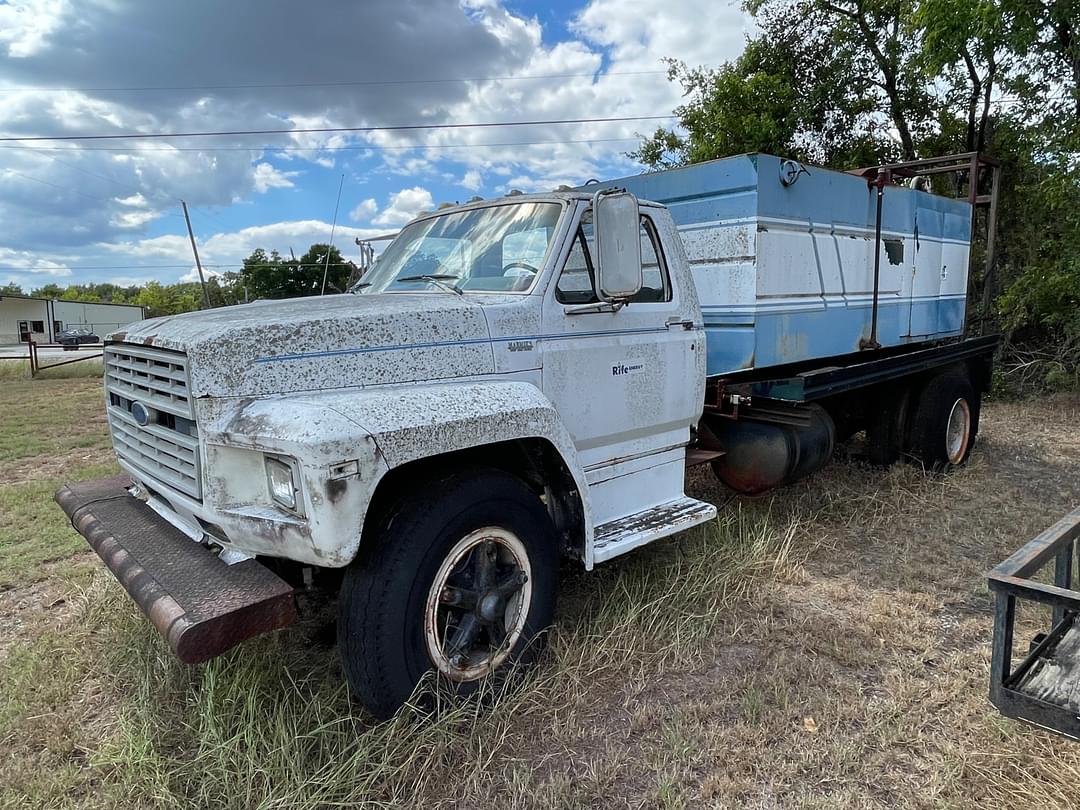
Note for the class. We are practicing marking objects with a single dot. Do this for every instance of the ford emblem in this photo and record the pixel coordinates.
(140, 413)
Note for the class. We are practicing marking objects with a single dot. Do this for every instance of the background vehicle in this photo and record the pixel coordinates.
(519, 380)
(72, 338)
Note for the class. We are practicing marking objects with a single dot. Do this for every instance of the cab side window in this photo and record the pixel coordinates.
(655, 282)
(576, 281)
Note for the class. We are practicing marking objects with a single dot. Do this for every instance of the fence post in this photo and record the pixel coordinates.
(31, 351)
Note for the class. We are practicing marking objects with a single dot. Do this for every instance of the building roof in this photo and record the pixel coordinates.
(68, 301)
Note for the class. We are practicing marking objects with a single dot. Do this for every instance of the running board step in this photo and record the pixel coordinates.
(627, 533)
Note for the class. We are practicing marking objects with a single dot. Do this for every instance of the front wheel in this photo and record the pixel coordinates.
(460, 581)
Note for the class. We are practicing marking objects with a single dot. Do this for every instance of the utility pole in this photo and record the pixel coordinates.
(195, 250)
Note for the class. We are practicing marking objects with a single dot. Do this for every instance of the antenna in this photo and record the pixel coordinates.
(333, 226)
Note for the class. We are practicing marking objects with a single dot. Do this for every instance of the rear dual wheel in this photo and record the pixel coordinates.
(935, 424)
(945, 422)
(459, 582)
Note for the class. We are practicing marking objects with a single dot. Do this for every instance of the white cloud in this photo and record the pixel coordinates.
(267, 177)
(129, 220)
(364, 210)
(472, 180)
(25, 27)
(192, 275)
(136, 200)
(405, 205)
(47, 206)
(226, 251)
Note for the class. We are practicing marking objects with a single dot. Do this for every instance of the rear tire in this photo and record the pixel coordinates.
(887, 428)
(461, 580)
(945, 422)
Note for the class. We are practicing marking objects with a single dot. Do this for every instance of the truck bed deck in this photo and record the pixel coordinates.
(813, 380)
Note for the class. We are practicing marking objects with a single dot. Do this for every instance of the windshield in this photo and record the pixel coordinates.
(500, 248)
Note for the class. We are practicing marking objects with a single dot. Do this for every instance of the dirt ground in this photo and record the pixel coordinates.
(846, 667)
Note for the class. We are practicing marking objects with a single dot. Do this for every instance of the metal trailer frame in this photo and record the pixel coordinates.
(1012, 580)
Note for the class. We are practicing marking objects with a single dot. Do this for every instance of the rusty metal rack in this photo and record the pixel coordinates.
(976, 177)
(1044, 689)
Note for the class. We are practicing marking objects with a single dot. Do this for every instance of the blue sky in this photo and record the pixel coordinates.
(78, 211)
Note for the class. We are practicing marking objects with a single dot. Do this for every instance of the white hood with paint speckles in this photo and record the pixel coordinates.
(334, 341)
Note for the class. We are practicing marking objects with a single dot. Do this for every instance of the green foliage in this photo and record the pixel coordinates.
(11, 289)
(266, 275)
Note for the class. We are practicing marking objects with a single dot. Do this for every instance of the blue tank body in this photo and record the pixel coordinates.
(785, 272)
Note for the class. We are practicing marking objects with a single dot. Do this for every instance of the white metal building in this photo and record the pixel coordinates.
(23, 317)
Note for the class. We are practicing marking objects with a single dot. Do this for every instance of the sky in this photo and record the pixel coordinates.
(79, 211)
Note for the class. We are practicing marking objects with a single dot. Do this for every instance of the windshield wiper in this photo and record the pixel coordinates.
(439, 279)
(360, 285)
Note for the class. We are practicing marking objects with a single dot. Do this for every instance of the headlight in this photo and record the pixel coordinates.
(279, 476)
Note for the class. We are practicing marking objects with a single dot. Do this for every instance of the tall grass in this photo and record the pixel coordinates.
(20, 369)
(271, 725)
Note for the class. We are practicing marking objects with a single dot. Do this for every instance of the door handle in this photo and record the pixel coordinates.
(685, 323)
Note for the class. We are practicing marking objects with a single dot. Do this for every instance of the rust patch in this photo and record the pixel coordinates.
(336, 488)
(894, 250)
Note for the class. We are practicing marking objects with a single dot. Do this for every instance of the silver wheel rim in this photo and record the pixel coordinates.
(958, 431)
(477, 605)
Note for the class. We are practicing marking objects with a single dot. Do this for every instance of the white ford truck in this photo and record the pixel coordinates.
(517, 381)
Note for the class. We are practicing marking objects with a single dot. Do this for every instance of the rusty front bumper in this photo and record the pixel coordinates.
(199, 604)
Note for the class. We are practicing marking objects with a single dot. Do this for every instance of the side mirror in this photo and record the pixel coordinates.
(618, 245)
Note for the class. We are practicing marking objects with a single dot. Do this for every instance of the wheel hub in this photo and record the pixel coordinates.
(477, 604)
(958, 431)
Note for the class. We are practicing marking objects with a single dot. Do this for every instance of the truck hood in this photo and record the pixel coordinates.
(334, 341)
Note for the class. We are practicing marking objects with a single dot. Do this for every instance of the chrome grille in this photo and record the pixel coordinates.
(165, 450)
(152, 376)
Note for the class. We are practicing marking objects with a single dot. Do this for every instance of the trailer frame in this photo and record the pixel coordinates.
(1013, 580)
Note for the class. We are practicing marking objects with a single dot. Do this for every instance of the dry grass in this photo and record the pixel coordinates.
(824, 647)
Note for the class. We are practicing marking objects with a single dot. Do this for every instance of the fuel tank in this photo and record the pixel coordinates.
(760, 455)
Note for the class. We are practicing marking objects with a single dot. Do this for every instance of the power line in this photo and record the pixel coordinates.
(131, 192)
(272, 148)
(188, 266)
(318, 130)
(366, 83)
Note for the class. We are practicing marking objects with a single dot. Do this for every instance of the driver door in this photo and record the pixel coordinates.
(621, 380)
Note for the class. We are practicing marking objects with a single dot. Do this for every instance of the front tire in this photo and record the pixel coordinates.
(461, 580)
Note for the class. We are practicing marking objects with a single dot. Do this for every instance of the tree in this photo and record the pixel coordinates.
(266, 275)
(11, 288)
(969, 40)
(807, 86)
(50, 290)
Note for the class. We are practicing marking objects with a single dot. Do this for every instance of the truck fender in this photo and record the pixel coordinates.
(412, 423)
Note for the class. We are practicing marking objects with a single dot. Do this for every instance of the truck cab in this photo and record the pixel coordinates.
(514, 381)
